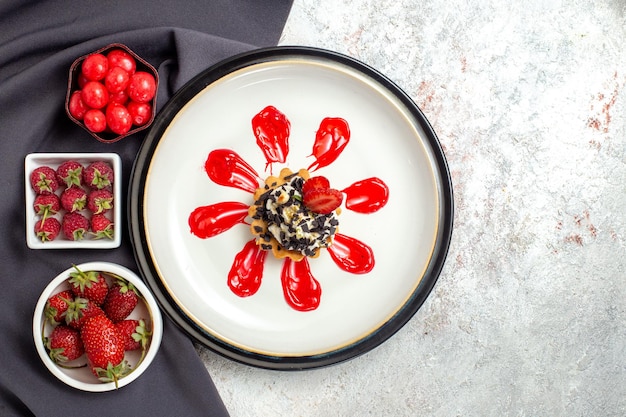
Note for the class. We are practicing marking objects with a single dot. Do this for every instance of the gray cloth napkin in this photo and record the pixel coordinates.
(38, 42)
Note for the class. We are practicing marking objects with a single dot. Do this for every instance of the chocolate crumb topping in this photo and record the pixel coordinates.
(287, 220)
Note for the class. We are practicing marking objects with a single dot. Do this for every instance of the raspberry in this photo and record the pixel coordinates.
(74, 199)
(43, 179)
(98, 175)
(47, 229)
(70, 173)
(75, 226)
(100, 201)
(46, 204)
(101, 227)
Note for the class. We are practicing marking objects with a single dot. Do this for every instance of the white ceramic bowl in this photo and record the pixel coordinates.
(53, 160)
(82, 378)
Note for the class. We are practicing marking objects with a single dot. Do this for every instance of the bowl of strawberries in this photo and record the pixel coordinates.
(97, 327)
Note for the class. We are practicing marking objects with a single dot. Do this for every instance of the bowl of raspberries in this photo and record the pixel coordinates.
(73, 200)
(97, 327)
(111, 93)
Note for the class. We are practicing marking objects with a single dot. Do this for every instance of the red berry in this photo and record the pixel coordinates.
(81, 80)
(104, 348)
(47, 229)
(75, 226)
(118, 118)
(120, 97)
(95, 120)
(134, 333)
(46, 204)
(57, 305)
(122, 59)
(116, 79)
(315, 183)
(95, 95)
(76, 105)
(64, 344)
(70, 173)
(95, 67)
(142, 87)
(100, 201)
(98, 175)
(101, 227)
(120, 301)
(140, 113)
(322, 200)
(79, 310)
(89, 284)
(73, 199)
(43, 180)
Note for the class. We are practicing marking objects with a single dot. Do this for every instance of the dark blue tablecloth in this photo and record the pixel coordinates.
(38, 42)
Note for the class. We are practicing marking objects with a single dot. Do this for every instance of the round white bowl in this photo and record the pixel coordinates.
(82, 378)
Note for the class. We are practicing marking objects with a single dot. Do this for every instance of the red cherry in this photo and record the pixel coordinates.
(116, 79)
(140, 113)
(142, 87)
(95, 67)
(95, 120)
(95, 95)
(81, 80)
(118, 118)
(121, 58)
(120, 97)
(76, 106)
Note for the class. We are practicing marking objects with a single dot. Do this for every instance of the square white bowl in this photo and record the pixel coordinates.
(53, 160)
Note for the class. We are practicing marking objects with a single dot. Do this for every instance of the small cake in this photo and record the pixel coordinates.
(283, 224)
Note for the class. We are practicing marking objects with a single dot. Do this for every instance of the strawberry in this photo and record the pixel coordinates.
(322, 200)
(75, 225)
(43, 180)
(135, 334)
(57, 305)
(70, 173)
(104, 348)
(47, 229)
(314, 183)
(101, 227)
(46, 204)
(121, 300)
(98, 175)
(100, 201)
(79, 310)
(64, 344)
(90, 285)
(73, 199)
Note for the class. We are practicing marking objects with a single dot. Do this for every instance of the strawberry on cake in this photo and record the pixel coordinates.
(295, 215)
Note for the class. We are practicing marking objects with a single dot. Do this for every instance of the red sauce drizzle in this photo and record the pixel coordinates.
(367, 196)
(351, 254)
(244, 278)
(209, 221)
(302, 291)
(271, 129)
(225, 167)
(330, 140)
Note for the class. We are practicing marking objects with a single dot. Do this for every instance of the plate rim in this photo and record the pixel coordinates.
(149, 272)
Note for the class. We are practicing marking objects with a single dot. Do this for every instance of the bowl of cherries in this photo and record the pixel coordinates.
(111, 93)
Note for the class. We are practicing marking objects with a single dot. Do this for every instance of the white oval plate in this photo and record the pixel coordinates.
(390, 139)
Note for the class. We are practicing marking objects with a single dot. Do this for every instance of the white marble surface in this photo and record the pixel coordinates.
(528, 317)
